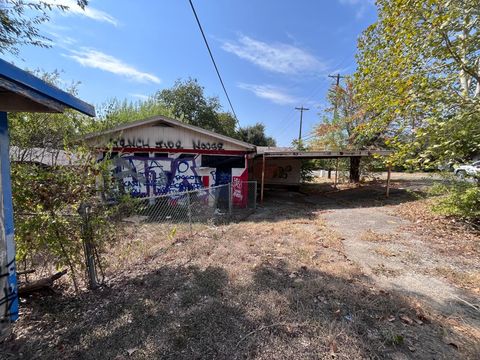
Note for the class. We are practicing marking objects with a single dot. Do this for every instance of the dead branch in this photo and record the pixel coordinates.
(41, 284)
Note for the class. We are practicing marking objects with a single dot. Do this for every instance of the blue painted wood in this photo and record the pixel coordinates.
(10, 292)
(19, 76)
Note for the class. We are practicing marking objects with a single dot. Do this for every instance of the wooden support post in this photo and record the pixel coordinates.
(389, 171)
(263, 179)
(336, 174)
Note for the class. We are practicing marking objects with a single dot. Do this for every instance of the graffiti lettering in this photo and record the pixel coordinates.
(9, 300)
(221, 177)
(169, 144)
(206, 146)
(155, 176)
(237, 188)
(282, 172)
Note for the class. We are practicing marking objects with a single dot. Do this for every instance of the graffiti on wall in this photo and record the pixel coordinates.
(9, 296)
(221, 177)
(139, 142)
(155, 176)
(282, 172)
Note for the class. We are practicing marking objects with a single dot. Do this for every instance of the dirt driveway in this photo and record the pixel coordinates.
(331, 275)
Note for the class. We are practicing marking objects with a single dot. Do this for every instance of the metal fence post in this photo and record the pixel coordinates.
(87, 236)
(230, 202)
(255, 197)
(189, 211)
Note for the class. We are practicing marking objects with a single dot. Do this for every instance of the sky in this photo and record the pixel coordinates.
(273, 55)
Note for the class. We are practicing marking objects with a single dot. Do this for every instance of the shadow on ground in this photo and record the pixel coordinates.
(190, 313)
(317, 197)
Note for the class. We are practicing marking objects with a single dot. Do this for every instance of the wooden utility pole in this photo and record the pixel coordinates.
(301, 109)
(337, 77)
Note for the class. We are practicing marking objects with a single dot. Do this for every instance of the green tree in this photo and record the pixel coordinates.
(418, 76)
(255, 134)
(187, 102)
(20, 21)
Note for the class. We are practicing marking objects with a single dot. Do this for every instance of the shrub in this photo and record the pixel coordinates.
(458, 198)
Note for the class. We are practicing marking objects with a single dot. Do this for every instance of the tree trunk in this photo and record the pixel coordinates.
(355, 169)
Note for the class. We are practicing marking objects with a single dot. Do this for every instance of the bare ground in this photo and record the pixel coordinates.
(337, 275)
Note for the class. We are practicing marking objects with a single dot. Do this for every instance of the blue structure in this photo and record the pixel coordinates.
(20, 91)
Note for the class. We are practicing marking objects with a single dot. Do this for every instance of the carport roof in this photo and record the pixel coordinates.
(285, 152)
(22, 92)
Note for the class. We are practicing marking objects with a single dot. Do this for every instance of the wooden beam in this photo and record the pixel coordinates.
(389, 171)
(336, 174)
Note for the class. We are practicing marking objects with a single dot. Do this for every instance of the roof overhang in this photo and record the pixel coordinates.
(20, 91)
(324, 154)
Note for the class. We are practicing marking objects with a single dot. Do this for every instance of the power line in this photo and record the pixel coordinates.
(213, 61)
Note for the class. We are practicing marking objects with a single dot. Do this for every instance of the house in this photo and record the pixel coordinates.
(161, 155)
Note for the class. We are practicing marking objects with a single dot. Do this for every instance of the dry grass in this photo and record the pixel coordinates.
(468, 280)
(373, 236)
(383, 251)
(447, 235)
(277, 286)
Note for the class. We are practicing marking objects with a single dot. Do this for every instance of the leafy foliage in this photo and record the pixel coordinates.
(187, 102)
(338, 129)
(255, 134)
(458, 198)
(20, 21)
(418, 75)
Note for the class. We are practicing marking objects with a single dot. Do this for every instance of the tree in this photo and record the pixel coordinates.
(116, 112)
(20, 21)
(419, 76)
(338, 128)
(187, 102)
(255, 134)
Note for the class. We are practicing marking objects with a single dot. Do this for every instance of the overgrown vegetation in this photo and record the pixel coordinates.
(416, 91)
(458, 198)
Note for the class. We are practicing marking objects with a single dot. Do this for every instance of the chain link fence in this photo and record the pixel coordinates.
(190, 210)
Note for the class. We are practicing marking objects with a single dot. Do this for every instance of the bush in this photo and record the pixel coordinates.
(458, 198)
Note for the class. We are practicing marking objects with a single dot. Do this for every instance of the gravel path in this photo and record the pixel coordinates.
(397, 260)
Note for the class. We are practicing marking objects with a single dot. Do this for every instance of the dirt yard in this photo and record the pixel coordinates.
(321, 274)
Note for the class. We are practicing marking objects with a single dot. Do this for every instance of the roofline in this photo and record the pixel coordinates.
(171, 122)
(23, 78)
(324, 154)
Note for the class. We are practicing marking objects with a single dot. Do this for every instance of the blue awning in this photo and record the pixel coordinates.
(21, 91)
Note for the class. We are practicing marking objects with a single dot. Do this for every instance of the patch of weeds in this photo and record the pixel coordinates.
(463, 279)
(384, 271)
(372, 236)
(383, 251)
(391, 338)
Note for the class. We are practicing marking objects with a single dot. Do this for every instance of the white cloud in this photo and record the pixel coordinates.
(99, 60)
(273, 93)
(361, 6)
(89, 11)
(277, 57)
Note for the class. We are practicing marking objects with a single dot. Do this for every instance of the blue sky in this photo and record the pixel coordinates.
(273, 55)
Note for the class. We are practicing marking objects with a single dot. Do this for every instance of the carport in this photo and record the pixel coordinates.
(20, 91)
(268, 155)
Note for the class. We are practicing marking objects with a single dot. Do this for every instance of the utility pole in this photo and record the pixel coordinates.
(301, 109)
(338, 77)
